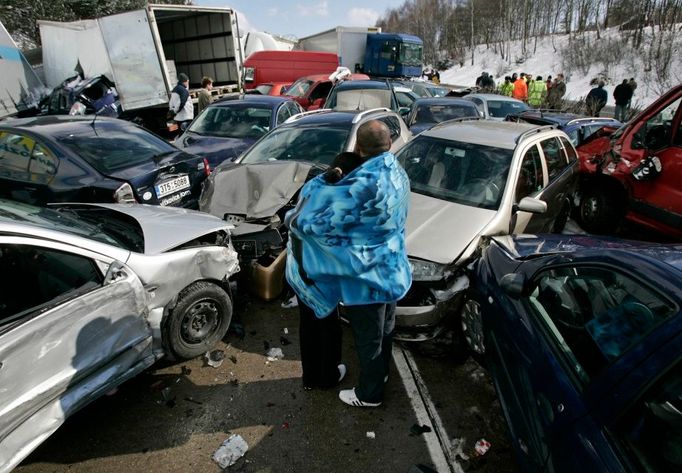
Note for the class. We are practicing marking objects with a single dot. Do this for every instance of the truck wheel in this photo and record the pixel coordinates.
(601, 210)
(199, 320)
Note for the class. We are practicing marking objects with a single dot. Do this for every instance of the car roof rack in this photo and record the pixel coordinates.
(361, 115)
(456, 120)
(590, 119)
(298, 116)
(532, 131)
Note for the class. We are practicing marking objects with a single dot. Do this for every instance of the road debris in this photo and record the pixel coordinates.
(284, 341)
(290, 303)
(417, 429)
(275, 354)
(482, 446)
(371, 435)
(230, 451)
(215, 358)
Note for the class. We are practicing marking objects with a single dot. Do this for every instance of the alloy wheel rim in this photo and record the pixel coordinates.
(472, 326)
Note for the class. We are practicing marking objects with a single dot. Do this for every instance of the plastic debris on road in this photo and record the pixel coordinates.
(290, 303)
(371, 435)
(214, 358)
(230, 451)
(481, 447)
(286, 331)
(417, 429)
(274, 354)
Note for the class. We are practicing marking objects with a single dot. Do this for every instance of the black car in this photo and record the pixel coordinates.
(94, 159)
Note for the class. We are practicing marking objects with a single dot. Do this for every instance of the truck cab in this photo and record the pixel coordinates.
(393, 55)
(634, 173)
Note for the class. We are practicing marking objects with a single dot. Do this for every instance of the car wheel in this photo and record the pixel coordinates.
(600, 211)
(472, 327)
(199, 320)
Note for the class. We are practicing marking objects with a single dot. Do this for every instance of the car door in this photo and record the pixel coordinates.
(661, 196)
(559, 184)
(72, 326)
(530, 182)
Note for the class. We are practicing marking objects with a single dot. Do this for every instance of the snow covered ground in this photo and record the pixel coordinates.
(548, 61)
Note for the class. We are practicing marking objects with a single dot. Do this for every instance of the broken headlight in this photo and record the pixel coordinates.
(428, 270)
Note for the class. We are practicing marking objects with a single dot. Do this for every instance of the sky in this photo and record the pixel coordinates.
(301, 18)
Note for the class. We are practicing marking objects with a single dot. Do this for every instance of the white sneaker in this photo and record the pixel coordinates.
(342, 371)
(348, 396)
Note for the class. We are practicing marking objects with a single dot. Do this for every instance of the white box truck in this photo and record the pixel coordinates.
(138, 49)
(21, 88)
(348, 42)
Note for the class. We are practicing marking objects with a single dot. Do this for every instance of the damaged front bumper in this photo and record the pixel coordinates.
(422, 313)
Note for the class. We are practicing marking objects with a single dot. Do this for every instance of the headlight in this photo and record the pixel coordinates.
(428, 270)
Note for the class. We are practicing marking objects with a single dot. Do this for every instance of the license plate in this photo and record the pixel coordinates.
(174, 185)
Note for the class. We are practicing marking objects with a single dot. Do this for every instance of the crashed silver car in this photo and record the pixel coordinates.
(469, 179)
(93, 294)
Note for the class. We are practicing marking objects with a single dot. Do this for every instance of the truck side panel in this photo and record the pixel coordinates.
(200, 44)
(352, 48)
(21, 87)
(137, 71)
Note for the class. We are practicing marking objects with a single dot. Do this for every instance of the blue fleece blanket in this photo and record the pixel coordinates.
(351, 236)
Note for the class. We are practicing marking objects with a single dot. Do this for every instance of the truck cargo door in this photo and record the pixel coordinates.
(138, 74)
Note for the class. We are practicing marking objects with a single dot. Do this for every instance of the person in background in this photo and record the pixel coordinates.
(556, 94)
(548, 83)
(520, 91)
(436, 77)
(507, 87)
(537, 92)
(633, 86)
(180, 106)
(596, 99)
(205, 97)
(622, 94)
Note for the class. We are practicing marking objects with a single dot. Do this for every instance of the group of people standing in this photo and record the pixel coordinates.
(536, 92)
(180, 106)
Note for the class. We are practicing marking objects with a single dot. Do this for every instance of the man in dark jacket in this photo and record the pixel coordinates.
(596, 99)
(555, 95)
(622, 94)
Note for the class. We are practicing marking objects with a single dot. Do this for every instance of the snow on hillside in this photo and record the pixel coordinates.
(547, 60)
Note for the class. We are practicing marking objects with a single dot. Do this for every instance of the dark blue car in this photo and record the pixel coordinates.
(231, 125)
(577, 127)
(427, 112)
(95, 159)
(583, 339)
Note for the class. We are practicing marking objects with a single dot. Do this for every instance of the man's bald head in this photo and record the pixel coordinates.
(374, 138)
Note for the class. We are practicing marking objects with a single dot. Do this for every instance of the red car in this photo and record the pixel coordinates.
(313, 90)
(635, 172)
(273, 88)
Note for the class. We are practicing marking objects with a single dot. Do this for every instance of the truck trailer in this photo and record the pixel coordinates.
(367, 50)
(142, 51)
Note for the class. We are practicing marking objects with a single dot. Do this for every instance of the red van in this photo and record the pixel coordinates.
(286, 66)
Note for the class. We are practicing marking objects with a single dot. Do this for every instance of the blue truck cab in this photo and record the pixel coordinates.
(393, 55)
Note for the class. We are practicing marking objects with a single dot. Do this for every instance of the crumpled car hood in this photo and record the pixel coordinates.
(165, 228)
(255, 191)
(439, 231)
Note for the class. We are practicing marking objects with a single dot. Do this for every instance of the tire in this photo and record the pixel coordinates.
(601, 210)
(199, 320)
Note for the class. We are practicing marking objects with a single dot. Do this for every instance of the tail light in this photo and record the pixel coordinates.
(207, 167)
(124, 194)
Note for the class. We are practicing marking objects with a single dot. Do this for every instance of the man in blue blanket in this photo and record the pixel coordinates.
(350, 238)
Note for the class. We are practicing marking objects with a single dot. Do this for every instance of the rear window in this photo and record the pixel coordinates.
(235, 121)
(109, 147)
(502, 108)
(360, 99)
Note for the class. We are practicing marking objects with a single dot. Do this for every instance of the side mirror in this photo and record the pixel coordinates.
(115, 272)
(513, 284)
(404, 111)
(529, 204)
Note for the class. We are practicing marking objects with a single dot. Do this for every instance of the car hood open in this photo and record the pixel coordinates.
(439, 231)
(163, 228)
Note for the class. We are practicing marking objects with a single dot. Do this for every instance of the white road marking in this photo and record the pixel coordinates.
(437, 441)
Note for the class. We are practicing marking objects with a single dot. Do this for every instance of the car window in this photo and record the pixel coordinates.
(404, 100)
(299, 88)
(15, 152)
(573, 136)
(294, 108)
(239, 120)
(652, 428)
(283, 113)
(41, 278)
(321, 91)
(43, 164)
(466, 173)
(361, 99)
(657, 131)
(502, 108)
(554, 156)
(318, 144)
(479, 104)
(531, 177)
(595, 313)
(569, 149)
(393, 125)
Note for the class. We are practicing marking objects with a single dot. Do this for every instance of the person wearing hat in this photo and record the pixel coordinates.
(180, 107)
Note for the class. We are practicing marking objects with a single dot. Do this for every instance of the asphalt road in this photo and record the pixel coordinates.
(172, 418)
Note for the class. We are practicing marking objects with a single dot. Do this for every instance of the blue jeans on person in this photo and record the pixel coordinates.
(372, 326)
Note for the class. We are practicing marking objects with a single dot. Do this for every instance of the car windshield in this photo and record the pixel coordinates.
(238, 120)
(108, 147)
(411, 54)
(299, 88)
(360, 99)
(502, 108)
(438, 91)
(317, 144)
(53, 220)
(441, 113)
(465, 173)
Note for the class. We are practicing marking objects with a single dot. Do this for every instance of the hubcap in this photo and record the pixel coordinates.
(472, 326)
(199, 321)
(590, 209)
